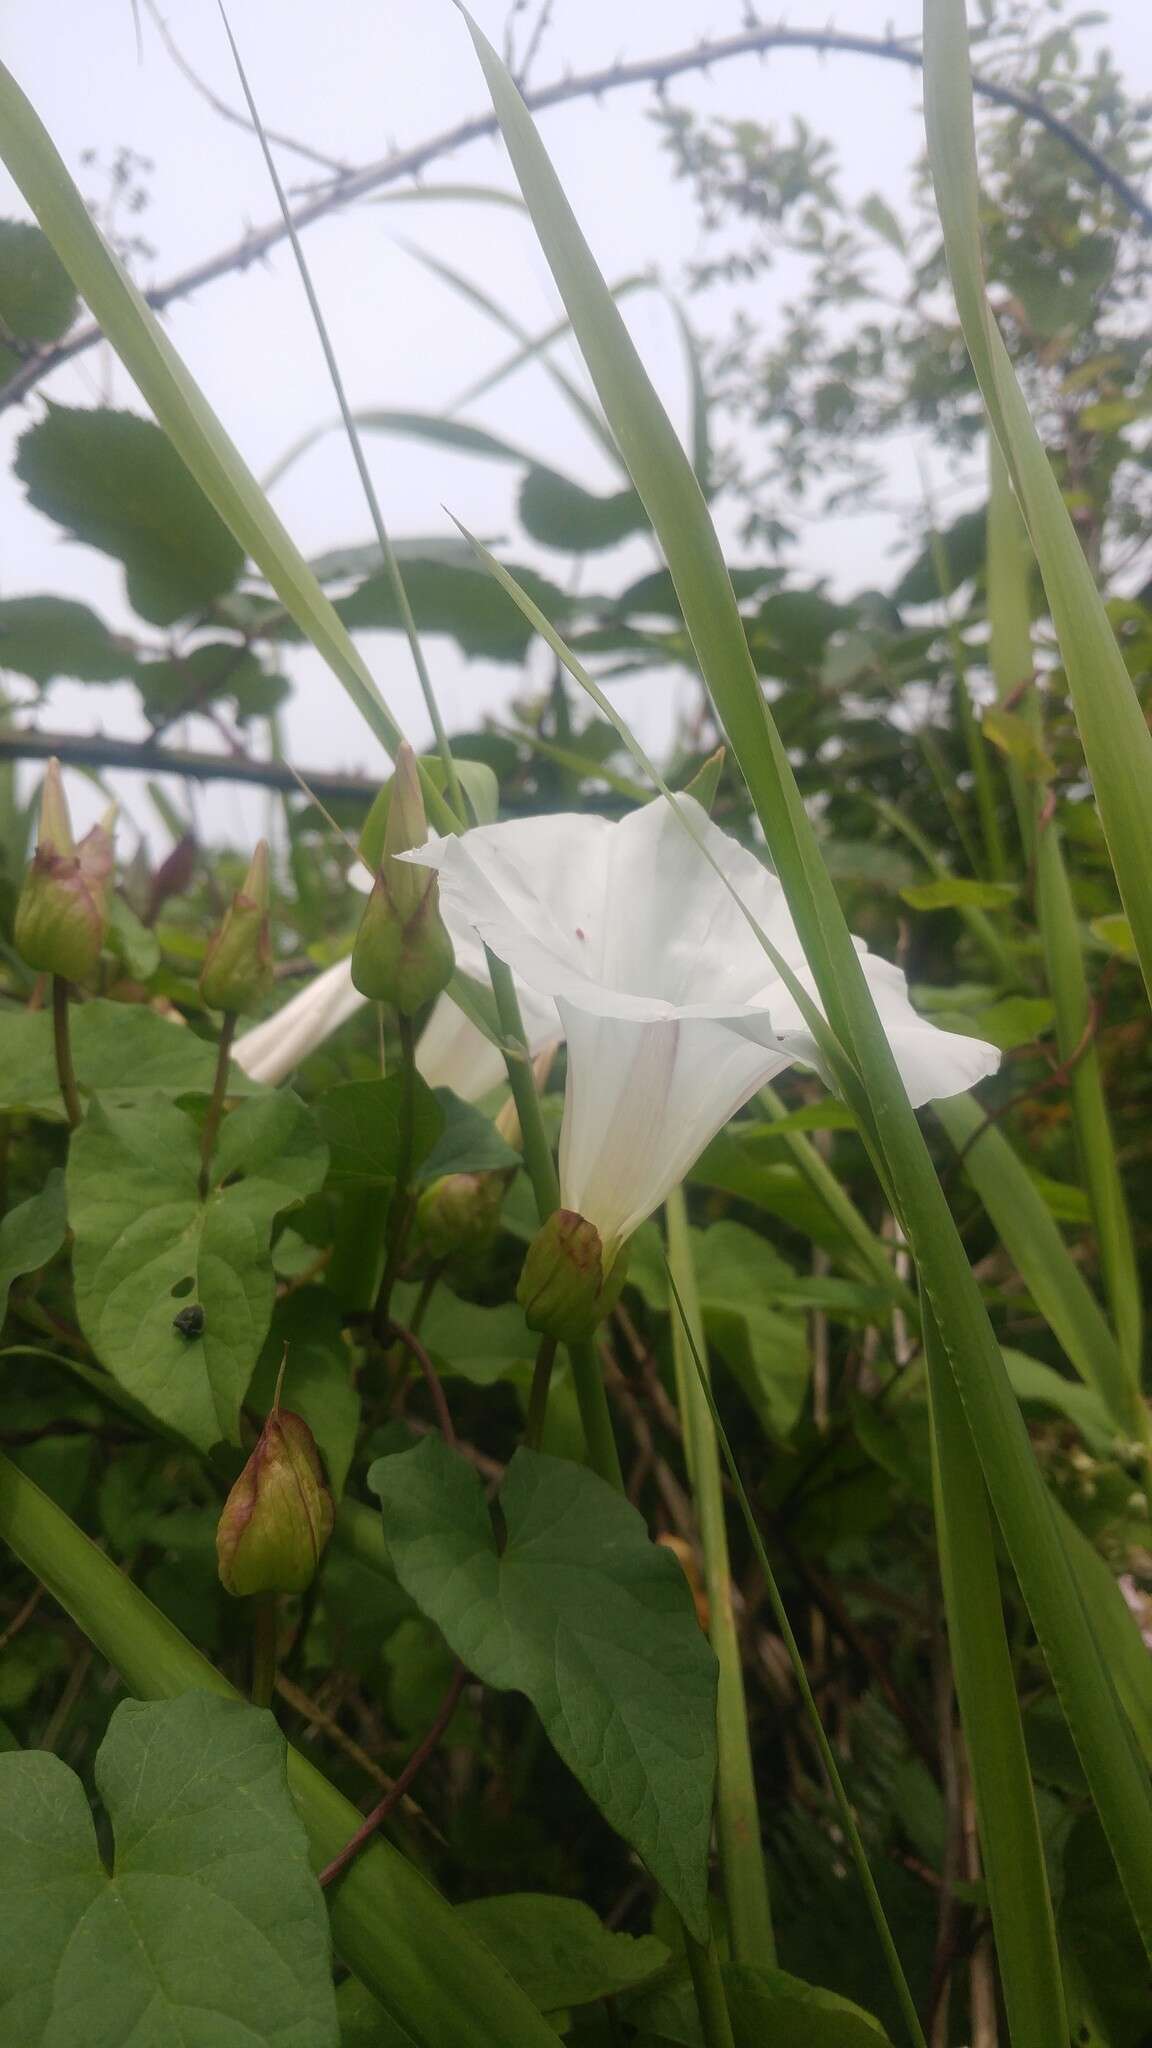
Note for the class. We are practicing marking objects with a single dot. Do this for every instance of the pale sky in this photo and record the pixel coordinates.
(354, 77)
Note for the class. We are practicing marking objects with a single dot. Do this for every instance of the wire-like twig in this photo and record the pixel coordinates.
(333, 164)
(396, 1791)
(432, 1378)
(657, 71)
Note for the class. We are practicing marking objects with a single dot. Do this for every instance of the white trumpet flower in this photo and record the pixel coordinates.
(672, 1011)
(452, 1051)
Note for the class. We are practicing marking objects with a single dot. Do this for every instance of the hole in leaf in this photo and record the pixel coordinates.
(183, 1287)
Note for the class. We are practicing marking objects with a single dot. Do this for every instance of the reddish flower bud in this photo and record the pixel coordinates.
(62, 914)
(563, 1290)
(278, 1516)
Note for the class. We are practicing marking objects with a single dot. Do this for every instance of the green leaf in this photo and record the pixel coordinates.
(364, 2022)
(360, 1123)
(468, 1143)
(558, 1951)
(960, 550)
(121, 1051)
(1038, 1385)
(955, 892)
(587, 1617)
(37, 298)
(881, 219)
(47, 637)
(209, 1927)
(219, 668)
(470, 1341)
(738, 1275)
(1026, 1228)
(31, 1234)
(133, 942)
(1115, 932)
(448, 598)
(1021, 740)
(439, 1984)
(147, 1246)
(1016, 1020)
(562, 514)
(764, 2005)
(115, 481)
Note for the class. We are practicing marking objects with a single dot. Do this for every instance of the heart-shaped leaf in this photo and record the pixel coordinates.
(148, 1249)
(595, 1623)
(210, 1927)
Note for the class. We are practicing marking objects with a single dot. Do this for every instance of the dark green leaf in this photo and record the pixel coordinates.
(962, 549)
(462, 602)
(591, 1620)
(558, 1951)
(115, 481)
(475, 1343)
(147, 1247)
(765, 2006)
(221, 668)
(210, 1927)
(37, 297)
(562, 514)
(956, 892)
(360, 1121)
(47, 637)
(31, 1234)
(132, 941)
(468, 1143)
(121, 1052)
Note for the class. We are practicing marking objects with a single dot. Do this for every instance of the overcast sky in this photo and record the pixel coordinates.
(353, 77)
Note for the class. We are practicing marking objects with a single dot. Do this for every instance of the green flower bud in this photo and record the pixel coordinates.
(403, 954)
(62, 914)
(278, 1516)
(563, 1289)
(460, 1212)
(237, 970)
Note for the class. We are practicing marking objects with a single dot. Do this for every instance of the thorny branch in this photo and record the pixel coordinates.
(346, 187)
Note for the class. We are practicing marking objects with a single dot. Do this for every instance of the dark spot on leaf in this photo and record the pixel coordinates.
(190, 1321)
(183, 1287)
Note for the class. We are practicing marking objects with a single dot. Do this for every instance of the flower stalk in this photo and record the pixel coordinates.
(62, 1040)
(401, 1208)
(215, 1112)
(737, 1813)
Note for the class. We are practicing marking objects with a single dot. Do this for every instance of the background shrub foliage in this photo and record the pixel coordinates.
(566, 1808)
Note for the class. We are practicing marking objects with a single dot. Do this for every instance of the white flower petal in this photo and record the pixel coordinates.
(643, 1101)
(270, 1051)
(454, 1053)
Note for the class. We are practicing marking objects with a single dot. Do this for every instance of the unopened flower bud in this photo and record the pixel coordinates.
(564, 1290)
(62, 914)
(460, 1212)
(403, 954)
(278, 1516)
(237, 970)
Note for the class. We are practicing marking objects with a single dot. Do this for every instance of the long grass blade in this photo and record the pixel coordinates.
(827, 1757)
(1022, 1917)
(1115, 735)
(664, 480)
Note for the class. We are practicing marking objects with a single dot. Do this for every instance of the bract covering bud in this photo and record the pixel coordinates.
(278, 1516)
(563, 1289)
(62, 914)
(403, 954)
(237, 970)
(460, 1212)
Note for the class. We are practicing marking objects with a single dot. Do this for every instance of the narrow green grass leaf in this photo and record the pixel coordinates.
(1028, 1232)
(1022, 1917)
(827, 1755)
(664, 478)
(1113, 729)
(181, 408)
